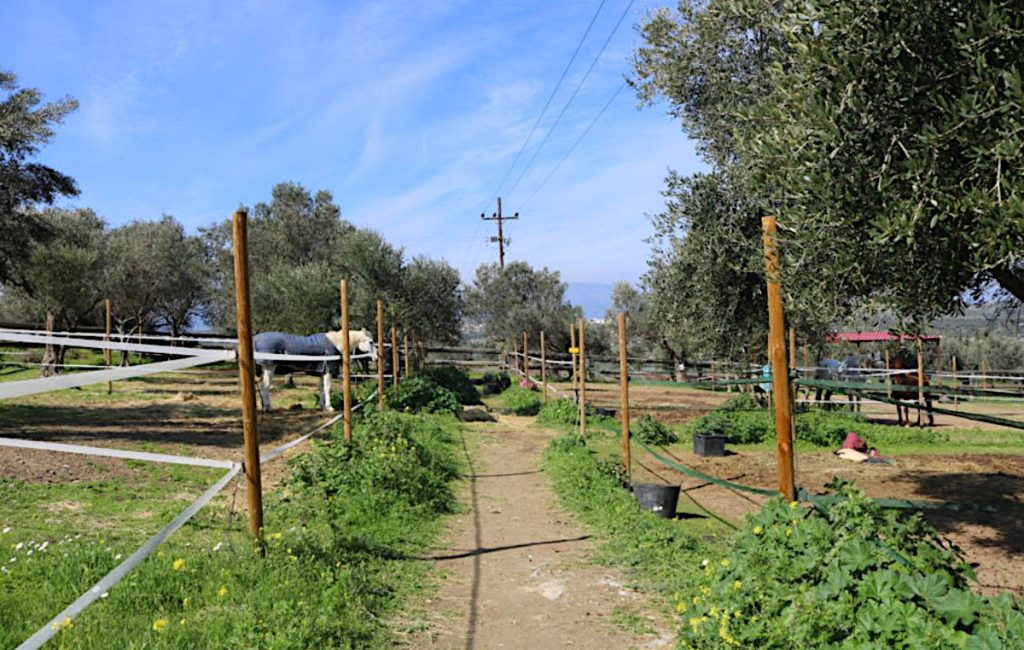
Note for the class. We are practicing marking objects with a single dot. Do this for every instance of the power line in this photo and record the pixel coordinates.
(575, 144)
(550, 98)
(572, 97)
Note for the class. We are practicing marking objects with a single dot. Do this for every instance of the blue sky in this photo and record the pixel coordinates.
(409, 113)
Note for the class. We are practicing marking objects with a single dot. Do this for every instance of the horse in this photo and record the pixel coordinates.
(835, 370)
(325, 344)
(909, 379)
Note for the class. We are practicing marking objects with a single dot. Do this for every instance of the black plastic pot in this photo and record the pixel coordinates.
(708, 445)
(658, 498)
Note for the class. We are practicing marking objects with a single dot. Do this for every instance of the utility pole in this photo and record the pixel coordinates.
(501, 239)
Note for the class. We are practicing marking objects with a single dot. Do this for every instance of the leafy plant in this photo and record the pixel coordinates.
(520, 401)
(495, 382)
(421, 394)
(740, 402)
(559, 412)
(454, 380)
(650, 431)
(853, 575)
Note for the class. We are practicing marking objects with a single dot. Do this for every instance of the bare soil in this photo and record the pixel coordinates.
(184, 413)
(518, 567)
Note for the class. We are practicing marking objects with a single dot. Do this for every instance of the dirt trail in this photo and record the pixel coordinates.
(516, 565)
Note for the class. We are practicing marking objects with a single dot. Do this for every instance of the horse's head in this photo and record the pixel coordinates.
(361, 342)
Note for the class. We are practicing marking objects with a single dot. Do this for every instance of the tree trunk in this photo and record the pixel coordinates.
(50, 358)
(1010, 280)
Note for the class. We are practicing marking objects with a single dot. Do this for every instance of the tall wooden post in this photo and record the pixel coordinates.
(515, 355)
(624, 394)
(780, 373)
(526, 355)
(405, 352)
(246, 374)
(573, 350)
(583, 379)
(792, 348)
(543, 369)
(956, 385)
(380, 359)
(346, 364)
(888, 376)
(106, 351)
(920, 382)
(984, 373)
(807, 360)
(394, 359)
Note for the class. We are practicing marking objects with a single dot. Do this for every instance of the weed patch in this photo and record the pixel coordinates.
(342, 535)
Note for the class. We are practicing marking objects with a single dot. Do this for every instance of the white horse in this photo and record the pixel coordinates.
(327, 344)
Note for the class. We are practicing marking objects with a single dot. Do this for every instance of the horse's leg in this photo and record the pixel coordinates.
(325, 392)
(268, 376)
(931, 414)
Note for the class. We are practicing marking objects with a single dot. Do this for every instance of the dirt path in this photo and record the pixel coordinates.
(517, 566)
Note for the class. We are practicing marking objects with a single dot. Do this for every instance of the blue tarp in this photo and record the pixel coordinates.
(312, 345)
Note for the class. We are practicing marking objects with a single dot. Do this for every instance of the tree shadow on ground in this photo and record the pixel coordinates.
(164, 423)
(1001, 529)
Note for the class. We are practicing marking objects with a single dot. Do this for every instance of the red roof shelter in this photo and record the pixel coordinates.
(877, 337)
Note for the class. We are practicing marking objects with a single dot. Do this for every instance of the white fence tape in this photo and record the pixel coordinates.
(126, 337)
(49, 630)
(32, 386)
(114, 453)
(67, 341)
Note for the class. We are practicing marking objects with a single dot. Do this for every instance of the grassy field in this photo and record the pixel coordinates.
(342, 537)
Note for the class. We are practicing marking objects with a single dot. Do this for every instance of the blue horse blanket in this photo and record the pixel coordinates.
(313, 345)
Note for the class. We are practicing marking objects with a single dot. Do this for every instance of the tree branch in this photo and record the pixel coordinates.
(1011, 281)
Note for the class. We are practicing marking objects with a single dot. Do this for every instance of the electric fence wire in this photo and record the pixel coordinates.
(572, 97)
(574, 145)
(480, 244)
(551, 97)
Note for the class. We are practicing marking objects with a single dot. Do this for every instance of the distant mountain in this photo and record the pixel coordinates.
(594, 297)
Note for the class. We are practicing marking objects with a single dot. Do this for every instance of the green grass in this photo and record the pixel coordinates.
(343, 535)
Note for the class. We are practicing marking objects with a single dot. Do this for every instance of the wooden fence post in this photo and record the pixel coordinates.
(583, 378)
(246, 375)
(543, 369)
(380, 358)
(515, 354)
(572, 353)
(394, 359)
(107, 356)
(526, 356)
(780, 373)
(624, 395)
(888, 375)
(920, 382)
(405, 352)
(956, 385)
(346, 364)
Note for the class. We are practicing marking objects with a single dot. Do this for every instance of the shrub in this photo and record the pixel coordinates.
(520, 401)
(454, 380)
(854, 576)
(738, 427)
(559, 412)
(651, 432)
(741, 402)
(421, 394)
(495, 382)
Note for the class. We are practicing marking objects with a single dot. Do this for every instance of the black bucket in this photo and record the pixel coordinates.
(658, 498)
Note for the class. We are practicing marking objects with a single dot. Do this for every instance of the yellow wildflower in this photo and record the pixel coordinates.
(681, 608)
(186, 601)
(789, 531)
(696, 600)
(794, 505)
(738, 584)
(178, 564)
(182, 622)
(160, 624)
(758, 530)
(706, 590)
(275, 535)
(223, 591)
(725, 562)
(66, 624)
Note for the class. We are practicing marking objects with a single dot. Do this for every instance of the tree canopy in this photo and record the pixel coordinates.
(886, 137)
(517, 298)
(25, 125)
